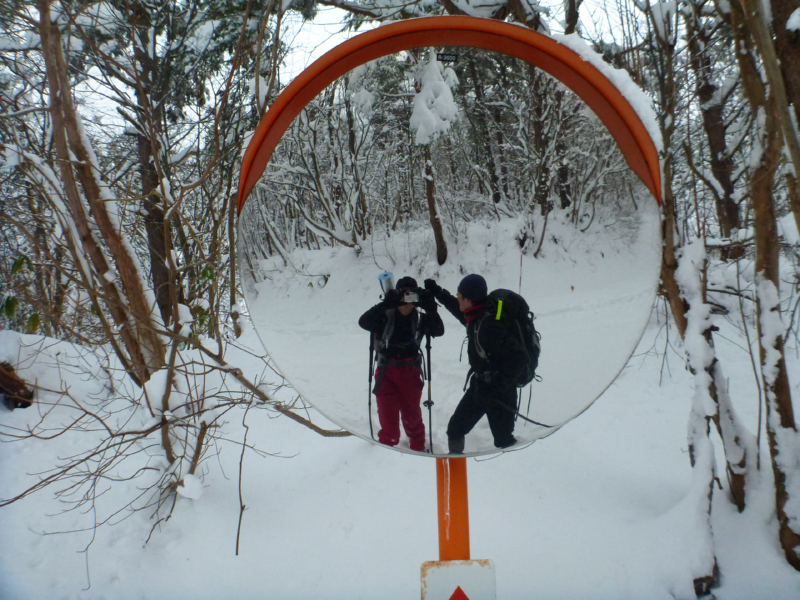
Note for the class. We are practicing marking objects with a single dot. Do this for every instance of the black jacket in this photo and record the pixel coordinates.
(505, 356)
(401, 344)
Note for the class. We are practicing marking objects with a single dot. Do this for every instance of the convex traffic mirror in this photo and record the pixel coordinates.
(426, 167)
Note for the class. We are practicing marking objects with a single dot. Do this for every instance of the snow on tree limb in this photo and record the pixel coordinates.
(434, 107)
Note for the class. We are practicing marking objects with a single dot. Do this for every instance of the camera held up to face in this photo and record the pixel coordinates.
(411, 297)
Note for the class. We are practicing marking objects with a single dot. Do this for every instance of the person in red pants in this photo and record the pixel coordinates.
(398, 329)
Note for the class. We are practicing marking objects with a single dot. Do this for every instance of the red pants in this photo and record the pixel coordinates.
(398, 398)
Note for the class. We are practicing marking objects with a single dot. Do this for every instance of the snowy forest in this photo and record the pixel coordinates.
(124, 265)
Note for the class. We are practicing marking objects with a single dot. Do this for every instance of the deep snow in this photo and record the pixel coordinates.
(597, 510)
(601, 509)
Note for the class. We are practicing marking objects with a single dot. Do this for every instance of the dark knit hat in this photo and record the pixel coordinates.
(406, 283)
(473, 288)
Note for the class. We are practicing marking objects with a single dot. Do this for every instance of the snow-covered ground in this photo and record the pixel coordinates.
(599, 510)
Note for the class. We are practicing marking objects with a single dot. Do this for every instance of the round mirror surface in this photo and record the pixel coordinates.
(426, 168)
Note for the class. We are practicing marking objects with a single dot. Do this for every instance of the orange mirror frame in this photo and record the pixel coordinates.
(561, 62)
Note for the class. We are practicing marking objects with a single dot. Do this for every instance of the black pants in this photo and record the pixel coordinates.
(498, 404)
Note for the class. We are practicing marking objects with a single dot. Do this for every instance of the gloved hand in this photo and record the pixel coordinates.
(392, 298)
(427, 301)
(433, 287)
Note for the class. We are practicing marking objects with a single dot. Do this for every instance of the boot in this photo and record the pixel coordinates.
(455, 445)
(506, 443)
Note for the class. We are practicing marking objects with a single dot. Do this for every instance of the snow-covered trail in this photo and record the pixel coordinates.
(591, 296)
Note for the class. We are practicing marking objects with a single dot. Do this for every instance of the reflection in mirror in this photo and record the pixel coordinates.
(435, 171)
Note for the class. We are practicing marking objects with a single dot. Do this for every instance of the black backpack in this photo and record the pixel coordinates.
(513, 312)
(381, 342)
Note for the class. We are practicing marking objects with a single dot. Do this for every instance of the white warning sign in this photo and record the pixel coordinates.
(458, 580)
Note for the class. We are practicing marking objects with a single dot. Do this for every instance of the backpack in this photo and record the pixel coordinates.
(513, 312)
(382, 342)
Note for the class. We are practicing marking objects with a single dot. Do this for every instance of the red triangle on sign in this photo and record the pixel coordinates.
(459, 594)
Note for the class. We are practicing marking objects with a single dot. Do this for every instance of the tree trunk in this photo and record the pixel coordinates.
(669, 231)
(669, 260)
(780, 417)
(541, 141)
(480, 114)
(360, 224)
(131, 313)
(699, 43)
(563, 173)
(781, 95)
(701, 453)
(710, 381)
(781, 430)
(572, 9)
(149, 104)
(701, 457)
(787, 47)
(430, 193)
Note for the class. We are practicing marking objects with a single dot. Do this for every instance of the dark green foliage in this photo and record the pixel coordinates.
(9, 307)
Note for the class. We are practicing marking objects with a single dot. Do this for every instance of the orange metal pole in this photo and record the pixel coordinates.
(451, 487)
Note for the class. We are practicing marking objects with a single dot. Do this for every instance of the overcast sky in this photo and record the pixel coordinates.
(309, 41)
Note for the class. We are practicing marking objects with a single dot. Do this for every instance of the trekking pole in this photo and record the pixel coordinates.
(530, 394)
(369, 383)
(508, 408)
(386, 281)
(429, 403)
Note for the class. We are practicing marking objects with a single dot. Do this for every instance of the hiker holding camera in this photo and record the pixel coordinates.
(496, 359)
(398, 328)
